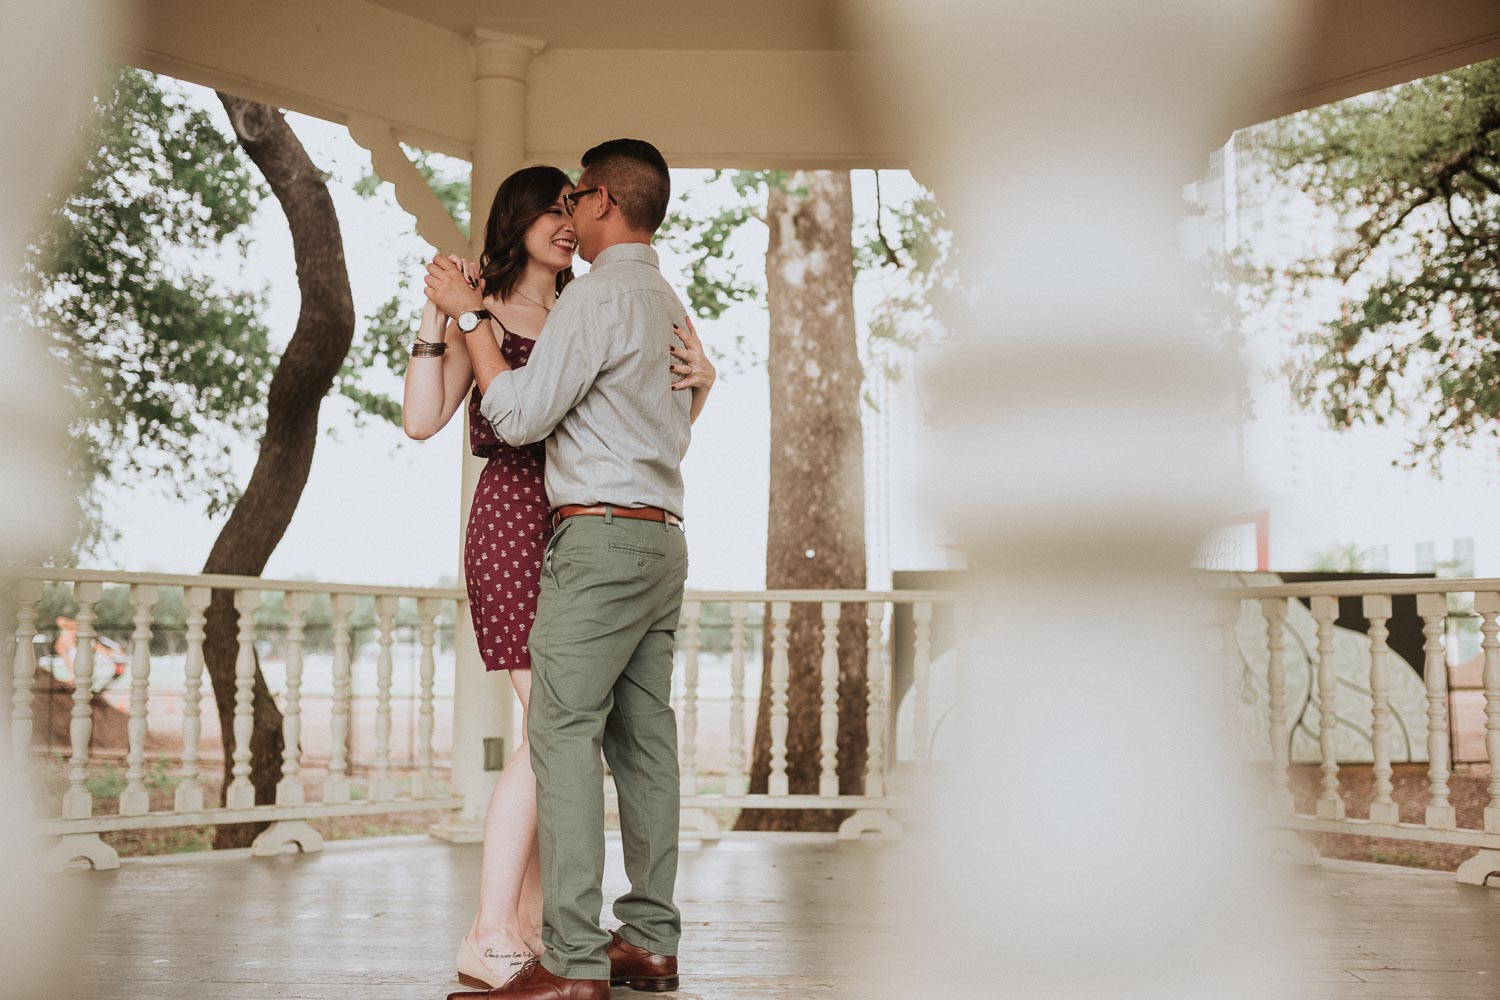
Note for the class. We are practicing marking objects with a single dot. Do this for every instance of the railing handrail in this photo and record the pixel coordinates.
(1374, 586)
(65, 574)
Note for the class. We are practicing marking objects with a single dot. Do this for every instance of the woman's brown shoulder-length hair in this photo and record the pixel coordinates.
(524, 197)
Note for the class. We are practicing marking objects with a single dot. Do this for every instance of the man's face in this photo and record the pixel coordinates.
(585, 223)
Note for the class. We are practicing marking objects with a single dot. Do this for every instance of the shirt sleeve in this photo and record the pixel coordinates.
(525, 404)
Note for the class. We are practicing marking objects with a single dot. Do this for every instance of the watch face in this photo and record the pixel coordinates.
(467, 322)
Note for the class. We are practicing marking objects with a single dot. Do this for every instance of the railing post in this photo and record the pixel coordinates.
(241, 793)
(1488, 605)
(1325, 612)
(189, 795)
(1433, 610)
(921, 614)
(289, 790)
(23, 669)
(424, 784)
(78, 803)
(382, 786)
(828, 777)
(736, 782)
(336, 788)
(781, 611)
(1377, 608)
(135, 800)
(875, 706)
(692, 613)
(1279, 798)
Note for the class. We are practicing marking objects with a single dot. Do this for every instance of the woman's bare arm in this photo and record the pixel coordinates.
(435, 387)
(692, 363)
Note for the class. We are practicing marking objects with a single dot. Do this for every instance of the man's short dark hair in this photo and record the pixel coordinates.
(636, 174)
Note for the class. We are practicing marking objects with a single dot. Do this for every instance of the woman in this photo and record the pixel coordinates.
(527, 261)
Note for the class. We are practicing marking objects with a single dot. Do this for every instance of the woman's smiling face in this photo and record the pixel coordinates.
(551, 239)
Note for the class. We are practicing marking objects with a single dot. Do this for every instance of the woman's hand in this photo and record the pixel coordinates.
(451, 287)
(690, 360)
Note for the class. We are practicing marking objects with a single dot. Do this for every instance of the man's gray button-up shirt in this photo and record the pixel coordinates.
(598, 384)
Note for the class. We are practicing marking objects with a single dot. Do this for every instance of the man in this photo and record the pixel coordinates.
(598, 389)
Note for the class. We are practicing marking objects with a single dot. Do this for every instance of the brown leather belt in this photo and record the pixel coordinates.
(602, 510)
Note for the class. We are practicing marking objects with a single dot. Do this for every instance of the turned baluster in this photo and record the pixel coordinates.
(78, 803)
(1488, 605)
(1279, 798)
(828, 777)
(23, 668)
(290, 790)
(1433, 609)
(1325, 612)
(424, 784)
(1377, 608)
(692, 641)
(921, 670)
(241, 793)
(736, 782)
(189, 795)
(875, 710)
(382, 787)
(781, 612)
(336, 788)
(135, 800)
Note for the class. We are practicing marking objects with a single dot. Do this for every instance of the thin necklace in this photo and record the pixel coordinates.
(533, 301)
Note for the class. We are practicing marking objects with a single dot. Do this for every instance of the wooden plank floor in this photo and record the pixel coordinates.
(766, 916)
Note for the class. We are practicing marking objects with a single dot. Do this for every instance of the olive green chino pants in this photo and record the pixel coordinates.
(601, 658)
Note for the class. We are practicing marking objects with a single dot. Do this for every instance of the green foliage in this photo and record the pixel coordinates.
(170, 364)
(918, 262)
(1346, 557)
(1413, 173)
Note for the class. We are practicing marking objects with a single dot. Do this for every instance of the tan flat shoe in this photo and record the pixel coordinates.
(476, 972)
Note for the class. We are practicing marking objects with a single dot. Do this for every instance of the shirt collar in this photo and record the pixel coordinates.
(627, 251)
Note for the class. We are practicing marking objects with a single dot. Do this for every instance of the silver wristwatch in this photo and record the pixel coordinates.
(468, 322)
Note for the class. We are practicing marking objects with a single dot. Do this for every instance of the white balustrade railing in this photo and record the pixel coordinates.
(1248, 615)
(76, 825)
(720, 639)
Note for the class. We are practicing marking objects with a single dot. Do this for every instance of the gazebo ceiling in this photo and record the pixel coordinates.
(804, 25)
(767, 84)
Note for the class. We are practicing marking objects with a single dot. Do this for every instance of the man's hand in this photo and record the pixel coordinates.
(448, 287)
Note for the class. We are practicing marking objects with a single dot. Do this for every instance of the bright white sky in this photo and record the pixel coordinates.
(380, 508)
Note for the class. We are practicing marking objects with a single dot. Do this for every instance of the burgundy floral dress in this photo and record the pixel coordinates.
(509, 527)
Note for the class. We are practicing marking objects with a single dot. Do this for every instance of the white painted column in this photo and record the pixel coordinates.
(484, 705)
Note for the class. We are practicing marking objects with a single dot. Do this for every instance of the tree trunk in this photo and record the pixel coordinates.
(325, 329)
(816, 533)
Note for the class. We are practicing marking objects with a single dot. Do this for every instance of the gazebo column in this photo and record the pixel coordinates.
(484, 704)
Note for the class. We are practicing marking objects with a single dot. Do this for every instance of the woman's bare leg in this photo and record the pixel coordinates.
(529, 914)
(500, 932)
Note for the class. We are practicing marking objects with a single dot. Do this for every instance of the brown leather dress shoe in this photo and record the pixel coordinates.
(641, 970)
(535, 983)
